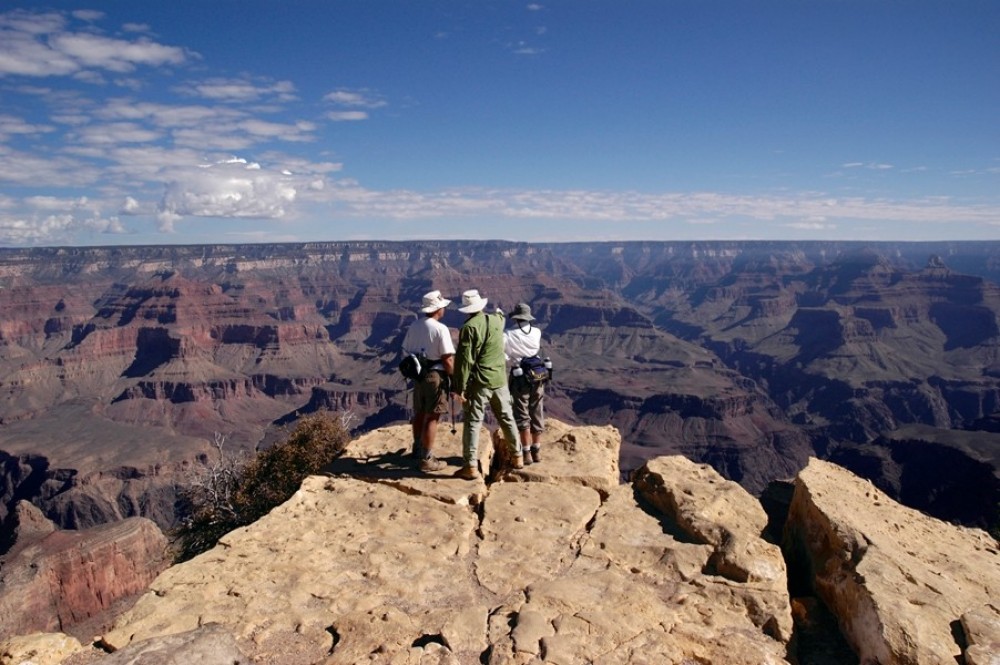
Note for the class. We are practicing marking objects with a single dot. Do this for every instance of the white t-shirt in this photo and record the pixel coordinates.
(430, 337)
(518, 344)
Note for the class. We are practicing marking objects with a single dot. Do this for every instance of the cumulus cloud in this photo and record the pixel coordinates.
(229, 188)
(44, 44)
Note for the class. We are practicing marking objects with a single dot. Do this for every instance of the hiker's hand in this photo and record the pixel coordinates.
(457, 396)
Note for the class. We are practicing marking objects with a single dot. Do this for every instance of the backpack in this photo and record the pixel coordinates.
(414, 366)
(534, 369)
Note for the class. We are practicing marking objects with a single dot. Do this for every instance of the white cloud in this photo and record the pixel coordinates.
(347, 116)
(117, 133)
(873, 166)
(23, 168)
(239, 90)
(355, 98)
(51, 229)
(41, 44)
(88, 15)
(809, 208)
(229, 188)
(10, 125)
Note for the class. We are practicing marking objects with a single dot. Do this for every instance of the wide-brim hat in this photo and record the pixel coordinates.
(522, 312)
(472, 302)
(433, 301)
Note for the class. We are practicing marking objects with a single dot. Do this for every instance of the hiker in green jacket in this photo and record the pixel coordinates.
(480, 378)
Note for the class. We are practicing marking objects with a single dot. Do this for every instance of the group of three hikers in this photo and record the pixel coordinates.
(476, 374)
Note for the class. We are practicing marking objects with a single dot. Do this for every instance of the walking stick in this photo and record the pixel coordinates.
(451, 407)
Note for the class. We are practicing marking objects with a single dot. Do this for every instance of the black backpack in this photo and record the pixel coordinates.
(414, 366)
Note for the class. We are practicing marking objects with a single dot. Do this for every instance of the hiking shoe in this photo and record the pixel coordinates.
(428, 464)
(526, 457)
(518, 461)
(536, 455)
(468, 473)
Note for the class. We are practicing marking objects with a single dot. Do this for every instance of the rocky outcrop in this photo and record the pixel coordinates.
(53, 580)
(907, 589)
(556, 563)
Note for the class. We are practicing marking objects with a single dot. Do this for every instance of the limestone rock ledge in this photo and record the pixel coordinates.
(907, 589)
(380, 563)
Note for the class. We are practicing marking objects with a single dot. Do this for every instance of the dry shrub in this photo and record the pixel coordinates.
(235, 491)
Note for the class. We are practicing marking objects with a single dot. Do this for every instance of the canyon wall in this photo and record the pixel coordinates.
(120, 365)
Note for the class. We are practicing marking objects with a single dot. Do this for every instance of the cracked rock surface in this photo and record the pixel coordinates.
(557, 563)
(906, 588)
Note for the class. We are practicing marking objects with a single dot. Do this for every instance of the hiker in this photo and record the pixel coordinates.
(528, 373)
(432, 339)
(480, 379)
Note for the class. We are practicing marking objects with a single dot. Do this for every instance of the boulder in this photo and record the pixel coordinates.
(38, 649)
(906, 588)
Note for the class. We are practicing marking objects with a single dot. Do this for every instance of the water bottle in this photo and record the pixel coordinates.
(517, 371)
(548, 365)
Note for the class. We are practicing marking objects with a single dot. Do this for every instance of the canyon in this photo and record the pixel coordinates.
(119, 366)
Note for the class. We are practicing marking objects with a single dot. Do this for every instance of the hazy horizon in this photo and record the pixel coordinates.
(197, 122)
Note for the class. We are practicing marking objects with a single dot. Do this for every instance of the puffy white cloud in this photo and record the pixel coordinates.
(231, 188)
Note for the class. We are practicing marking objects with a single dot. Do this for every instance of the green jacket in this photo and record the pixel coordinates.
(479, 365)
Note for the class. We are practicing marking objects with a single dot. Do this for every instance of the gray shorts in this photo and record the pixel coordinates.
(529, 404)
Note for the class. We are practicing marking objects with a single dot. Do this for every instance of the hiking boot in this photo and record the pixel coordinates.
(517, 461)
(468, 473)
(536, 455)
(526, 457)
(429, 464)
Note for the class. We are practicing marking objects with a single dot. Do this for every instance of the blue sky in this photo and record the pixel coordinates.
(193, 121)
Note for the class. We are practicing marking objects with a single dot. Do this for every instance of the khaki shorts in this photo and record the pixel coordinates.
(429, 395)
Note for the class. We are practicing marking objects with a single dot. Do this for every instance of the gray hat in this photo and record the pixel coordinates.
(522, 312)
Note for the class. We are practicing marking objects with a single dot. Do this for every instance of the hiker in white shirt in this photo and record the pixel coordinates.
(523, 340)
(431, 338)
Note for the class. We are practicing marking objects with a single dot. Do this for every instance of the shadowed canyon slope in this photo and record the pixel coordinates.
(118, 365)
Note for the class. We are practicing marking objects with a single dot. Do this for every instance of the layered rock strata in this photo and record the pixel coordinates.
(53, 580)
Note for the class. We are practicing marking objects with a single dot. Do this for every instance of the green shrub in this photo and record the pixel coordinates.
(235, 491)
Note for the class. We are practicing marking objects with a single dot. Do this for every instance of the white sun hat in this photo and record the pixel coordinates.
(433, 301)
(472, 302)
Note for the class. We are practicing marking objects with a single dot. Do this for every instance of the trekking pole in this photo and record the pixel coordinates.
(451, 407)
